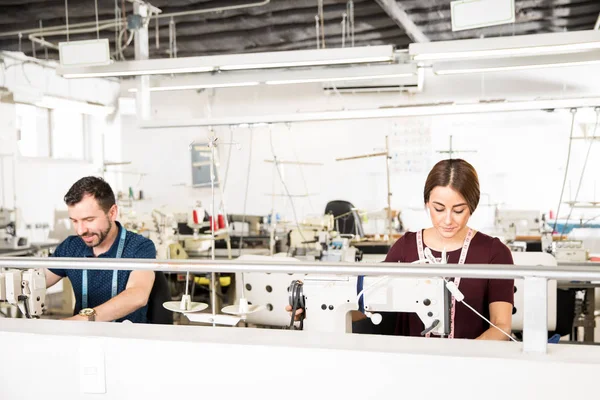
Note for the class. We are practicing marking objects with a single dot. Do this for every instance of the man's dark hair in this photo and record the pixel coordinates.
(93, 186)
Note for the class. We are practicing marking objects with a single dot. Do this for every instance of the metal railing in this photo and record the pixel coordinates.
(572, 271)
(535, 277)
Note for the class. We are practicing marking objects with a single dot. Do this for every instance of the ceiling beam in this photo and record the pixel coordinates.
(400, 17)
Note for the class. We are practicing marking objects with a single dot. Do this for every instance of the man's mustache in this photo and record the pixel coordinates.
(87, 235)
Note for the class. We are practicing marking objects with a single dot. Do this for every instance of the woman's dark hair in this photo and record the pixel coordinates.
(92, 186)
(459, 175)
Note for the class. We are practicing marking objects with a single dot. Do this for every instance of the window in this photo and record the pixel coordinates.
(57, 133)
(33, 125)
(68, 137)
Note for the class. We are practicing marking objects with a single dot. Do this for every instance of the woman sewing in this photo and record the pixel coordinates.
(451, 196)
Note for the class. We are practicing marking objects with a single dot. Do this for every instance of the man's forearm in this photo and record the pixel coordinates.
(124, 304)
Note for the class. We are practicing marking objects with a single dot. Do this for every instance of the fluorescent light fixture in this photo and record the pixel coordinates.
(508, 46)
(236, 62)
(516, 63)
(471, 14)
(348, 74)
(378, 113)
(336, 79)
(82, 107)
(285, 77)
(84, 53)
(197, 87)
(308, 58)
(32, 97)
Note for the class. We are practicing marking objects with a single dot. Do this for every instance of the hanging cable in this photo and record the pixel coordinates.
(587, 156)
(97, 23)
(226, 174)
(67, 17)
(344, 18)
(246, 192)
(300, 166)
(172, 39)
(117, 27)
(351, 14)
(42, 36)
(157, 33)
(562, 191)
(287, 192)
(317, 30)
(124, 17)
(322, 19)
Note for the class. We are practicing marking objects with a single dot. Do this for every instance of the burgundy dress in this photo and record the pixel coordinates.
(479, 293)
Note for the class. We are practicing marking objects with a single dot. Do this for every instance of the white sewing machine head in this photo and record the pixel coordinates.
(25, 289)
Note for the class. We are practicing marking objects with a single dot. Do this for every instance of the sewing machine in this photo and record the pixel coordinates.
(329, 300)
(397, 294)
(513, 223)
(8, 232)
(25, 289)
(317, 239)
(569, 251)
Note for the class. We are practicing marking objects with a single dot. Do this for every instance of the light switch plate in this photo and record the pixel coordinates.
(92, 374)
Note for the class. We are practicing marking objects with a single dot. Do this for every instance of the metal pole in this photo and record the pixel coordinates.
(389, 189)
(2, 180)
(142, 52)
(213, 276)
(344, 30)
(571, 272)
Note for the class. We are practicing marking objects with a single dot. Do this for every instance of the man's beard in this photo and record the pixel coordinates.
(101, 237)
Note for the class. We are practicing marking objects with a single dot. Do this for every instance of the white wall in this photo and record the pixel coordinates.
(520, 156)
(158, 362)
(41, 183)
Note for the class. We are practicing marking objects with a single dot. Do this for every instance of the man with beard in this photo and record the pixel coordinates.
(103, 295)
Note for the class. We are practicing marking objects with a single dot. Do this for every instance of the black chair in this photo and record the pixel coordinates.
(160, 293)
(350, 223)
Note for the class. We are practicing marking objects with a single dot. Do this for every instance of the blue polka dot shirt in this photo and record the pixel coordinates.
(100, 281)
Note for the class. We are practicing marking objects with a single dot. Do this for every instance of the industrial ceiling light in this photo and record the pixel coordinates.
(516, 63)
(285, 77)
(509, 46)
(416, 110)
(348, 74)
(59, 103)
(236, 62)
(197, 87)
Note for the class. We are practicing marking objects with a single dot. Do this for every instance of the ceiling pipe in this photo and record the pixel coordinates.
(109, 23)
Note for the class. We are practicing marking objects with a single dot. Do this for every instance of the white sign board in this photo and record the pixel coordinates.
(471, 14)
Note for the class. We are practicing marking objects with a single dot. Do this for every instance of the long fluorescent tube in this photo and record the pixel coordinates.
(349, 74)
(83, 107)
(516, 63)
(285, 77)
(197, 87)
(236, 62)
(508, 46)
(390, 112)
(60, 103)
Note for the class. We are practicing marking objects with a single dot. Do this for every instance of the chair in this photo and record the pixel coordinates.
(349, 224)
(160, 293)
